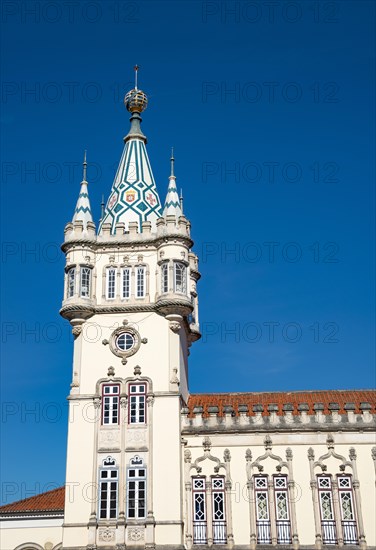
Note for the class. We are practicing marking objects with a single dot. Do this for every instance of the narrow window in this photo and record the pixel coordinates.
(110, 404)
(262, 510)
(180, 278)
(346, 501)
(71, 281)
(85, 282)
(136, 493)
(282, 514)
(111, 283)
(164, 278)
(108, 491)
(137, 403)
(126, 283)
(328, 525)
(199, 511)
(140, 281)
(218, 507)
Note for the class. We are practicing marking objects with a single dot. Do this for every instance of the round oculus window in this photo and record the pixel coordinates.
(125, 341)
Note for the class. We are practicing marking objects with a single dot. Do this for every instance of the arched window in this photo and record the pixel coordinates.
(217, 520)
(263, 504)
(347, 519)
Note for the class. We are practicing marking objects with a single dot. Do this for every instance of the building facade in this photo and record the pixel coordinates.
(150, 465)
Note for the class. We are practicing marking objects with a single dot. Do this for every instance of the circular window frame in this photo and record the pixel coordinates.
(126, 352)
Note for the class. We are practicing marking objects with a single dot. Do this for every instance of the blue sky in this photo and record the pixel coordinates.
(271, 115)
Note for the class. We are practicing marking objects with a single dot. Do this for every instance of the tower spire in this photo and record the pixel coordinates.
(172, 204)
(134, 196)
(82, 212)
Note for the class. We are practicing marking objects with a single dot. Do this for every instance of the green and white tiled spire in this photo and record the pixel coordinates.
(172, 205)
(134, 196)
(82, 212)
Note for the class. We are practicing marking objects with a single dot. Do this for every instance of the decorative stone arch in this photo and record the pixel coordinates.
(218, 465)
(344, 463)
(287, 464)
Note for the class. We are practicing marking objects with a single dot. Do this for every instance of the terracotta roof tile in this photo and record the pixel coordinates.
(325, 397)
(51, 501)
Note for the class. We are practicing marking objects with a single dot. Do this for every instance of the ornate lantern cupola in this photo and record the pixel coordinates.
(134, 196)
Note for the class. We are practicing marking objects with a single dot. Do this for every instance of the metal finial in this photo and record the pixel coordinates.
(84, 164)
(136, 67)
(181, 200)
(102, 208)
(172, 159)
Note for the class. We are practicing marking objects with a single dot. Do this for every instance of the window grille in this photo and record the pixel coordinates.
(282, 512)
(218, 510)
(110, 404)
(328, 525)
(262, 510)
(111, 283)
(348, 519)
(199, 511)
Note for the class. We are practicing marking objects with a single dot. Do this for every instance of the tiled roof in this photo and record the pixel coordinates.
(325, 397)
(51, 501)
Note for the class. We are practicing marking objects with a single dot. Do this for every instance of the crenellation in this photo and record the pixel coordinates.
(120, 228)
(106, 230)
(146, 227)
(90, 226)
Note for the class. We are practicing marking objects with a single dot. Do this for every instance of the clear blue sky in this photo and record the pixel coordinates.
(271, 115)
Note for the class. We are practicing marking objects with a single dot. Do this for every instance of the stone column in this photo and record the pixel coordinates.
(273, 525)
(291, 494)
(230, 535)
(316, 508)
(209, 511)
(358, 504)
(251, 501)
(188, 507)
(337, 512)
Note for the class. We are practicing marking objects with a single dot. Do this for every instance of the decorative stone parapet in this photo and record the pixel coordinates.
(277, 417)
